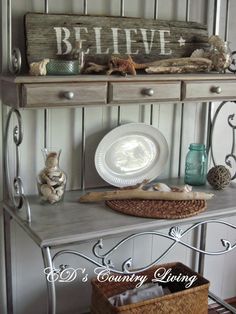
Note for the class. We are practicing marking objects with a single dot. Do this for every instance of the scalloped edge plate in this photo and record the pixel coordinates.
(131, 153)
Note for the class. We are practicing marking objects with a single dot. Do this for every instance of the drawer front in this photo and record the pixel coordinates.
(54, 95)
(211, 90)
(148, 92)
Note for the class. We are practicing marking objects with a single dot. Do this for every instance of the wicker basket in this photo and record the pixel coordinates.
(193, 300)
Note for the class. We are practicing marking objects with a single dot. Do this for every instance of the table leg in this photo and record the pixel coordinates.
(201, 260)
(8, 268)
(51, 290)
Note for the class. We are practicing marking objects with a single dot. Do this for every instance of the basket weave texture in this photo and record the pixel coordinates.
(159, 208)
(193, 300)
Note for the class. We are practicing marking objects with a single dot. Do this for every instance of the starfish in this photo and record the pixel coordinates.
(181, 41)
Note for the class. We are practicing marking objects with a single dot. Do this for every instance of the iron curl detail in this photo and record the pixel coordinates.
(230, 158)
(15, 188)
(175, 234)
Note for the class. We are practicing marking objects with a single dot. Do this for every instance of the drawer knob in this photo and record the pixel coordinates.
(148, 92)
(69, 95)
(216, 89)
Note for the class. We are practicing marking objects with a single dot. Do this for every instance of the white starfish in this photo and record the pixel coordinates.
(181, 41)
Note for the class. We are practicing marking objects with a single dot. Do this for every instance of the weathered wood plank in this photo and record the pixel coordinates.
(55, 35)
(23, 79)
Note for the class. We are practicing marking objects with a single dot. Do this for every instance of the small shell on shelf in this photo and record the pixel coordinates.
(183, 188)
(217, 43)
(198, 53)
(161, 187)
(39, 68)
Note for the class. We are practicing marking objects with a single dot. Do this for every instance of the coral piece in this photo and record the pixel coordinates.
(124, 66)
(116, 64)
(39, 68)
(219, 177)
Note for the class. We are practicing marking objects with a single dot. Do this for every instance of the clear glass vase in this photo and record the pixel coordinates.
(221, 57)
(51, 180)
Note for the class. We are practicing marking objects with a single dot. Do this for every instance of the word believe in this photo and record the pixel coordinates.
(149, 38)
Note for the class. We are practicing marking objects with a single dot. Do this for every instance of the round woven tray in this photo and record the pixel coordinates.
(158, 208)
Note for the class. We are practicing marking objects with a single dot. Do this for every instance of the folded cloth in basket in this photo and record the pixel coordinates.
(145, 292)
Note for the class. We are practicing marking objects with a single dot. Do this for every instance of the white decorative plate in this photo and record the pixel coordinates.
(131, 153)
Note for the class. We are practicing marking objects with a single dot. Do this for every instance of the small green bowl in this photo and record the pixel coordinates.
(63, 67)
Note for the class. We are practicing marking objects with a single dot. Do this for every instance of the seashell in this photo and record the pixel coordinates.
(54, 173)
(46, 190)
(53, 198)
(184, 188)
(217, 43)
(52, 183)
(198, 53)
(161, 187)
(60, 191)
(52, 160)
(39, 68)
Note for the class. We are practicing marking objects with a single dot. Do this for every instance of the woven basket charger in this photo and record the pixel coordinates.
(158, 208)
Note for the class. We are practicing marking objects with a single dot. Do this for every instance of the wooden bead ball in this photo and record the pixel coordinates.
(219, 177)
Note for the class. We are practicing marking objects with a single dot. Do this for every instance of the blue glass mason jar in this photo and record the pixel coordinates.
(196, 165)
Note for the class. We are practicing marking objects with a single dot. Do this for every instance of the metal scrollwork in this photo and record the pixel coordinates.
(15, 65)
(15, 188)
(14, 55)
(230, 159)
(175, 234)
(232, 67)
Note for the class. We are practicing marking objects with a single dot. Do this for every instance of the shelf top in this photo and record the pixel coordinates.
(27, 79)
(69, 221)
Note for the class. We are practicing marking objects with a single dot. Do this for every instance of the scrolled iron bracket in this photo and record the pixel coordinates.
(14, 55)
(15, 61)
(232, 66)
(230, 158)
(175, 234)
(15, 188)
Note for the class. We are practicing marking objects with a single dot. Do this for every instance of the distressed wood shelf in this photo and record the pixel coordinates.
(86, 90)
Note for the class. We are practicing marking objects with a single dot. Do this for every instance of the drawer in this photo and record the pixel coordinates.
(145, 92)
(211, 90)
(63, 94)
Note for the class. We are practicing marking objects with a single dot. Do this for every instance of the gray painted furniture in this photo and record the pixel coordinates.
(71, 222)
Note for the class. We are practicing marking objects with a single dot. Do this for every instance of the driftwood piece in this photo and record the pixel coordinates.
(182, 65)
(141, 194)
(55, 35)
(92, 67)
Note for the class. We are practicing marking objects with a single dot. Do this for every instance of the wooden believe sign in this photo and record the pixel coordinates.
(54, 35)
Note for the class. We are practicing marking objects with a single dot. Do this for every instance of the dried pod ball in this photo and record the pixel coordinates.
(219, 177)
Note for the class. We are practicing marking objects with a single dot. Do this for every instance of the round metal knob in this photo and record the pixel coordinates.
(148, 92)
(69, 95)
(216, 89)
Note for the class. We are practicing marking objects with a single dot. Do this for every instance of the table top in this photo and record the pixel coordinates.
(70, 221)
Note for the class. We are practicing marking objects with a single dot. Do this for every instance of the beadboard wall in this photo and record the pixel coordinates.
(64, 131)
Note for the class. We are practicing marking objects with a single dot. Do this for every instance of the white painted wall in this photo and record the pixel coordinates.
(65, 132)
